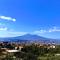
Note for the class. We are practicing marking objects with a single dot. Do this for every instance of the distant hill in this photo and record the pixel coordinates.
(30, 37)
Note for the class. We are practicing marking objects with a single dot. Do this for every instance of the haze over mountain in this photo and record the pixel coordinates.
(30, 37)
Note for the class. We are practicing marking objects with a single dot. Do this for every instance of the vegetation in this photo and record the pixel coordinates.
(34, 52)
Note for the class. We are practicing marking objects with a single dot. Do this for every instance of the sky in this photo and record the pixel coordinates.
(40, 17)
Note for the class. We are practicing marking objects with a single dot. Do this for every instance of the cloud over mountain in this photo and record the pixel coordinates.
(50, 30)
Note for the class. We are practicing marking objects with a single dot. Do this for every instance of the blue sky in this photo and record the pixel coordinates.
(19, 17)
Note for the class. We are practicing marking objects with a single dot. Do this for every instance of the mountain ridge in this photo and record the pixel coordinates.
(30, 37)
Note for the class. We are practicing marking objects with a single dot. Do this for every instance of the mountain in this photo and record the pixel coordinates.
(37, 38)
(30, 37)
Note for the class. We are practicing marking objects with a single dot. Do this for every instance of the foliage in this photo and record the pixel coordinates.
(34, 52)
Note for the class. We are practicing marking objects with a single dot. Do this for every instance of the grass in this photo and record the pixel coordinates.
(49, 57)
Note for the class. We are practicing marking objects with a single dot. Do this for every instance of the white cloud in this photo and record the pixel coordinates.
(3, 29)
(5, 32)
(54, 29)
(8, 18)
(40, 31)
